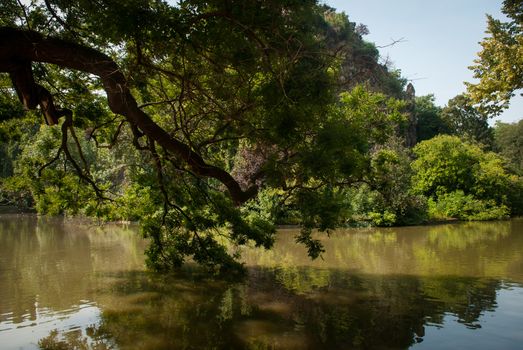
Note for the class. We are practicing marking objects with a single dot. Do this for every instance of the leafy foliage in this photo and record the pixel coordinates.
(386, 198)
(509, 143)
(459, 117)
(500, 62)
(462, 180)
(429, 119)
(465, 207)
(465, 120)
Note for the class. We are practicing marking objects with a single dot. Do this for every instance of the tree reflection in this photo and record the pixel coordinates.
(52, 264)
(272, 309)
(373, 289)
(93, 340)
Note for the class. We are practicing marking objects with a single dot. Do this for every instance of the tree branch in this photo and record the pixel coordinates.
(40, 171)
(24, 45)
(68, 124)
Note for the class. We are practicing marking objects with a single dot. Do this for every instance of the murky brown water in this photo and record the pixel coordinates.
(65, 285)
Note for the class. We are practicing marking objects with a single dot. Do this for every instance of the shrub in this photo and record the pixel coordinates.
(465, 207)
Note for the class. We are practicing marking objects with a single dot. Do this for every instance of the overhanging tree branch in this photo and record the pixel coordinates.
(25, 46)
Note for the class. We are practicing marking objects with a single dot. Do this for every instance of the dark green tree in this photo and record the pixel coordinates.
(509, 143)
(429, 120)
(464, 120)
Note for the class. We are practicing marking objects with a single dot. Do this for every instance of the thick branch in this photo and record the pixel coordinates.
(32, 94)
(28, 46)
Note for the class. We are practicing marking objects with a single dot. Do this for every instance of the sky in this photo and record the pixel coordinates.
(440, 39)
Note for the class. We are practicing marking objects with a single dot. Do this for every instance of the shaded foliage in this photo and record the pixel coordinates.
(429, 120)
(466, 121)
(217, 103)
(508, 140)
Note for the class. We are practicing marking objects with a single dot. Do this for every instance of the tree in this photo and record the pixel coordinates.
(499, 66)
(429, 120)
(465, 120)
(463, 180)
(509, 143)
(458, 117)
(193, 87)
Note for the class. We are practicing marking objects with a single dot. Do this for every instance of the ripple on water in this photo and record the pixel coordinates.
(24, 332)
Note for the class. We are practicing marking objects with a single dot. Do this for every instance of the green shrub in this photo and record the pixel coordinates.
(465, 182)
(460, 206)
(385, 218)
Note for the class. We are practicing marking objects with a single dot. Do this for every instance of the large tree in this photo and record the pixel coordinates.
(509, 143)
(499, 66)
(221, 100)
(429, 120)
(465, 120)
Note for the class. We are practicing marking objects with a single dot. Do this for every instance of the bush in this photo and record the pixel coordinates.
(463, 181)
(368, 207)
(465, 207)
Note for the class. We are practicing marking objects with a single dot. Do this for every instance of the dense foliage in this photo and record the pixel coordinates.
(462, 180)
(212, 122)
(429, 119)
(509, 143)
(463, 119)
(500, 62)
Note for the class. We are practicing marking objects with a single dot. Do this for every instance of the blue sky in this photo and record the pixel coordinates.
(440, 40)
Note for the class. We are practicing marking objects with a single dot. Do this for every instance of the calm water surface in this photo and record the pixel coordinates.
(67, 285)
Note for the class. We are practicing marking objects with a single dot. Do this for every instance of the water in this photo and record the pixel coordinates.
(68, 285)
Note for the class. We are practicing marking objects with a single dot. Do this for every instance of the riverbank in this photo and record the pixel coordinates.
(12, 209)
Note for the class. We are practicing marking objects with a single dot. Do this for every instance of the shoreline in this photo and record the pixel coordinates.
(14, 210)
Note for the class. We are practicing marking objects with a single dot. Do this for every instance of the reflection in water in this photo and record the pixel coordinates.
(49, 274)
(428, 287)
(469, 249)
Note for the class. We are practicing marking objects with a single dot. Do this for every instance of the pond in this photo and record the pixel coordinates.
(70, 285)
